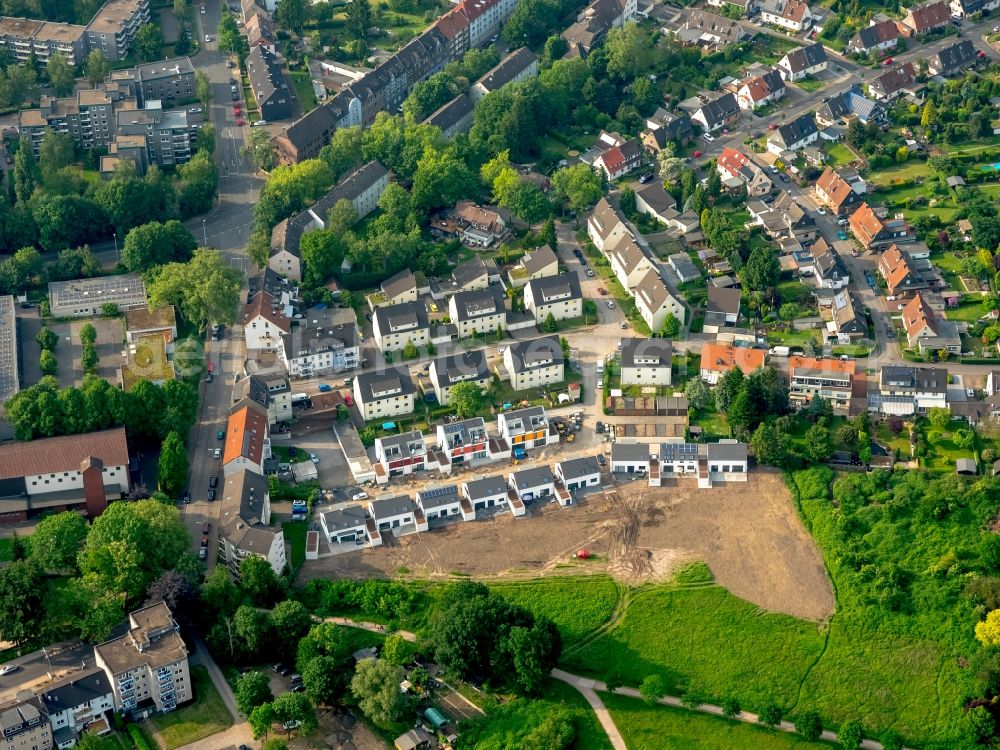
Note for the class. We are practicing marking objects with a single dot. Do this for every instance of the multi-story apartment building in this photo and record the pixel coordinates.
(89, 117)
(273, 393)
(148, 666)
(310, 350)
(647, 361)
(558, 296)
(388, 393)
(448, 371)
(534, 363)
(831, 379)
(480, 311)
(167, 132)
(25, 38)
(247, 441)
(270, 88)
(24, 725)
(396, 326)
(83, 702)
(905, 390)
(165, 80)
(244, 523)
(114, 27)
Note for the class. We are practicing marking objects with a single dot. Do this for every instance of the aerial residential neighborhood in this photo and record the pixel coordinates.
(500, 374)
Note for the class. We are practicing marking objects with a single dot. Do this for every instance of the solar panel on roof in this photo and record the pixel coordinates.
(438, 492)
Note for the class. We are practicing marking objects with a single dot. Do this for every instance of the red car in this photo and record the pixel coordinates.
(887, 61)
(348, 400)
(204, 541)
(240, 122)
(772, 126)
(696, 154)
(602, 291)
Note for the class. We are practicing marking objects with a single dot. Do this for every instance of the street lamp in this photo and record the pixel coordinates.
(115, 235)
(204, 232)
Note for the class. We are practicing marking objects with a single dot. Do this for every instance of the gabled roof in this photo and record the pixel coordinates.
(798, 365)
(246, 432)
(717, 110)
(896, 268)
(550, 289)
(479, 303)
(865, 224)
(535, 353)
(792, 10)
(526, 479)
(486, 487)
(954, 58)
(918, 315)
(802, 127)
(921, 379)
(726, 301)
(267, 307)
(848, 313)
(401, 283)
(242, 514)
(508, 69)
(895, 80)
(824, 259)
(460, 367)
(762, 86)
(538, 259)
(803, 58)
(577, 468)
(605, 218)
(651, 293)
(876, 34)
(837, 190)
(404, 316)
(647, 352)
(925, 17)
(450, 113)
(65, 453)
(472, 270)
(389, 382)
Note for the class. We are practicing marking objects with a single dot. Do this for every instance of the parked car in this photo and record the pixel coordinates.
(195, 110)
(772, 169)
(623, 325)
(590, 272)
(8, 669)
(213, 481)
(325, 387)
(348, 400)
(211, 495)
(599, 428)
(708, 137)
(314, 458)
(203, 553)
(204, 541)
(220, 435)
(887, 61)
(217, 454)
(970, 392)
(206, 527)
(240, 122)
(210, 377)
(783, 177)
(600, 384)
(841, 235)
(646, 178)
(821, 211)
(359, 496)
(601, 460)
(611, 304)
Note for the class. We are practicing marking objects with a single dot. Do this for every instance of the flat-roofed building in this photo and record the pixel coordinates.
(147, 666)
(85, 297)
(113, 29)
(10, 379)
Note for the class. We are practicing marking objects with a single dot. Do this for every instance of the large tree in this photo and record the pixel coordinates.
(252, 689)
(441, 179)
(578, 185)
(57, 540)
(155, 244)
(295, 707)
(466, 399)
(26, 171)
(173, 465)
(61, 74)
(324, 679)
(21, 601)
(258, 580)
(290, 621)
(148, 42)
(204, 289)
(131, 544)
(96, 67)
(291, 14)
(376, 687)
(359, 19)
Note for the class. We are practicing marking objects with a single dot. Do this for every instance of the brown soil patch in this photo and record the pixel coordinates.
(748, 534)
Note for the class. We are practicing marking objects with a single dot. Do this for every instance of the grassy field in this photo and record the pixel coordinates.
(663, 728)
(201, 718)
(302, 82)
(838, 154)
(942, 450)
(514, 724)
(906, 171)
(705, 639)
(295, 534)
(576, 605)
(970, 309)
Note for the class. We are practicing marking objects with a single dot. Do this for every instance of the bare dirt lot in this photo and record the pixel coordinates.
(748, 534)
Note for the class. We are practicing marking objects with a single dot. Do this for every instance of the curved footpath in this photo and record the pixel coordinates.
(589, 687)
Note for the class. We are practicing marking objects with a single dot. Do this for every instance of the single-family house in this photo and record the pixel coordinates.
(443, 503)
(833, 379)
(479, 226)
(717, 113)
(848, 321)
(793, 15)
(534, 363)
(828, 271)
(397, 514)
(954, 59)
(618, 161)
(535, 483)
(536, 264)
(646, 361)
(722, 308)
(902, 278)
(920, 19)
(449, 370)
(487, 492)
(964, 8)
(384, 394)
(347, 525)
(463, 441)
(880, 36)
(847, 106)
(718, 359)
(803, 61)
(758, 91)
(653, 200)
(896, 82)
(631, 458)
(928, 331)
(474, 274)
(836, 193)
(794, 135)
(904, 390)
(735, 165)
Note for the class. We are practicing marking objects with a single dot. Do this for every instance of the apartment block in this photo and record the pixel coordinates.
(114, 27)
(148, 666)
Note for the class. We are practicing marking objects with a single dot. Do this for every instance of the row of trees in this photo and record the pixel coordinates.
(147, 410)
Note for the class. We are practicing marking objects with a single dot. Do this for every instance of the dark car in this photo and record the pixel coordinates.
(298, 687)
(782, 176)
(211, 495)
(206, 527)
(601, 461)
(213, 481)
(599, 428)
(186, 498)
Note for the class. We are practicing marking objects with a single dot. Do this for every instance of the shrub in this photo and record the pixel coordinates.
(850, 735)
(138, 738)
(730, 707)
(769, 714)
(652, 688)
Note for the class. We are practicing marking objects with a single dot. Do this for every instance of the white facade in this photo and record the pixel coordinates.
(574, 479)
(287, 264)
(560, 306)
(629, 263)
(115, 481)
(388, 397)
(397, 325)
(259, 333)
(523, 378)
(485, 323)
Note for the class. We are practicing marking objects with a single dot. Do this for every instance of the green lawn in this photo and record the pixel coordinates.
(970, 309)
(577, 606)
(676, 631)
(514, 724)
(838, 154)
(302, 82)
(810, 84)
(664, 728)
(205, 716)
(712, 423)
(295, 534)
(942, 449)
(903, 172)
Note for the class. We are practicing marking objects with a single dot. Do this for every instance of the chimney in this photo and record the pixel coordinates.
(94, 495)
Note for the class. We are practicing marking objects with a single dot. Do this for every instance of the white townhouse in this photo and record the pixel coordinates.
(403, 454)
(558, 296)
(486, 492)
(534, 363)
(346, 525)
(535, 483)
(630, 458)
(579, 473)
(479, 311)
(803, 61)
(647, 361)
(444, 503)
(395, 326)
(629, 262)
(76, 703)
(526, 428)
(396, 513)
(793, 15)
(384, 394)
(463, 367)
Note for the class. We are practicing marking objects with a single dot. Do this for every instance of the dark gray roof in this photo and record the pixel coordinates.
(399, 284)
(242, 512)
(801, 127)
(530, 417)
(647, 352)
(471, 270)
(436, 497)
(575, 468)
(478, 303)
(405, 444)
(525, 479)
(486, 487)
(553, 288)
(391, 506)
(350, 187)
(77, 691)
(452, 113)
(455, 368)
(266, 77)
(679, 451)
(535, 353)
(465, 432)
(727, 451)
(723, 300)
(923, 379)
(719, 109)
(305, 340)
(350, 517)
(802, 58)
(508, 69)
(390, 382)
(954, 58)
(656, 197)
(405, 316)
(631, 452)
